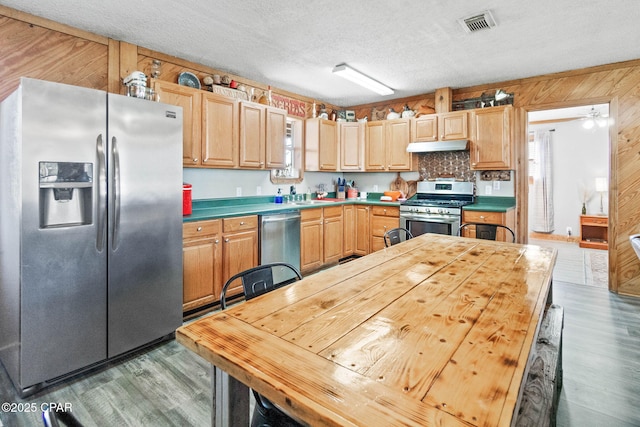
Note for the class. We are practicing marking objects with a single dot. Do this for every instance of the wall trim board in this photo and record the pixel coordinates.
(51, 25)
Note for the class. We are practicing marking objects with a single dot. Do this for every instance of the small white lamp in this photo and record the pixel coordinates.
(601, 187)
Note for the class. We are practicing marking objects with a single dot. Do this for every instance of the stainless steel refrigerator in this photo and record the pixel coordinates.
(90, 228)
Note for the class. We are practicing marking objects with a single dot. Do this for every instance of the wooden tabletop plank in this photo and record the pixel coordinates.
(308, 386)
(496, 348)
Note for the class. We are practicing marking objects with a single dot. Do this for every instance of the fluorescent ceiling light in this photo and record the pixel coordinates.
(357, 77)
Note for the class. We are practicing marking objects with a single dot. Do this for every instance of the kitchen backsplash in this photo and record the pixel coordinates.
(445, 164)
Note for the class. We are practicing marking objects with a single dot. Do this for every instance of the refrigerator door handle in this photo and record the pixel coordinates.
(115, 193)
(101, 184)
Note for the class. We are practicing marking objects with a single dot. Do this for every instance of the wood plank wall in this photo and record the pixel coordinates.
(39, 48)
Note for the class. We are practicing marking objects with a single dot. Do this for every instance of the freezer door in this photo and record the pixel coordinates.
(145, 222)
(63, 271)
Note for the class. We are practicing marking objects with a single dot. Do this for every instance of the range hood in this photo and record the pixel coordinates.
(429, 147)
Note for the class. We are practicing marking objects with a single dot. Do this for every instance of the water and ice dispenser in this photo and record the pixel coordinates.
(65, 194)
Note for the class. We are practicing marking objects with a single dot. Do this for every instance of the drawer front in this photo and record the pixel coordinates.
(594, 220)
(332, 211)
(392, 211)
(380, 225)
(483, 217)
(310, 214)
(200, 229)
(240, 223)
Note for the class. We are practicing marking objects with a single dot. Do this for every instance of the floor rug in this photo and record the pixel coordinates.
(596, 265)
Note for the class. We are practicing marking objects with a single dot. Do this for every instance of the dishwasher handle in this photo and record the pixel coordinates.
(280, 217)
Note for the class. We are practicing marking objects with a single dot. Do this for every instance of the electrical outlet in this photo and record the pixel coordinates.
(569, 231)
(487, 190)
(258, 190)
(496, 185)
(375, 188)
(238, 191)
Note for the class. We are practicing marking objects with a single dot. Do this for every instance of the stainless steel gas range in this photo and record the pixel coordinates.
(437, 207)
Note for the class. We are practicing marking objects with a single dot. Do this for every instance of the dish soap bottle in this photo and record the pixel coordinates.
(307, 196)
(278, 198)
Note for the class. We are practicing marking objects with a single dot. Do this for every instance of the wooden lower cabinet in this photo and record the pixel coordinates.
(507, 218)
(311, 240)
(239, 248)
(383, 218)
(202, 263)
(321, 237)
(362, 233)
(213, 251)
(349, 233)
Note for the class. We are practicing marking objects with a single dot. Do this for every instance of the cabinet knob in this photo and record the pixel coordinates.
(385, 227)
(241, 222)
(226, 240)
(195, 160)
(217, 241)
(199, 229)
(473, 164)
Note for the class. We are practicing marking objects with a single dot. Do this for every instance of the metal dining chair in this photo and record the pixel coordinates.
(487, 231)
(396, 235)
(257, 281)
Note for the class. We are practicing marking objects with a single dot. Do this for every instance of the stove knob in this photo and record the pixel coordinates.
(441, 211)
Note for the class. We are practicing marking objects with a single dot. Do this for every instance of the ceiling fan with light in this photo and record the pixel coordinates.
(594, 118)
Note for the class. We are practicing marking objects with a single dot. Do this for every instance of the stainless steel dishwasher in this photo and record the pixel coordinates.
(280, 241)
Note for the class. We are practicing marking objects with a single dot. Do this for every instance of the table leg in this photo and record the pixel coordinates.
(230, 400)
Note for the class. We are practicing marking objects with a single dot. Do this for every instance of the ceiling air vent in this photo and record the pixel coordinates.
(474, 23)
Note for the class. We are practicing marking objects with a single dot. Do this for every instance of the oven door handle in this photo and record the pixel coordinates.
(440, 219)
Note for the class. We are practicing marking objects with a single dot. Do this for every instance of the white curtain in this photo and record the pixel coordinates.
(542, 221)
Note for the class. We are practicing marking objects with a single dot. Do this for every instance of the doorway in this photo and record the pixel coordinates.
(568, 181)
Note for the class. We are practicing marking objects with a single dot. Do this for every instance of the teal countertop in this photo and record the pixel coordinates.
(260, 205)
(492, 204)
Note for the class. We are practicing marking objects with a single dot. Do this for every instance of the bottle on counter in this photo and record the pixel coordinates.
(307, 196)
(278, 198)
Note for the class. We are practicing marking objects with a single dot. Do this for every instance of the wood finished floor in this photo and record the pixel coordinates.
(169, 386)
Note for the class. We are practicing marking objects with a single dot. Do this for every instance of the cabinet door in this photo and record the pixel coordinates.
(328, 145)
(453, 126)
(202, 272)
(363, 235)
(189, 100)
(220, 131)
(491, 143)
(351, 146)
(398, 137)
(375, 147)
(239, 253)
(425, 128)
(252, 135)
(349, 234)
(311, 250)
(333, 234)
(275, 138)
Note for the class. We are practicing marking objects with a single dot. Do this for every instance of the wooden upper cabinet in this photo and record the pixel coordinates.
(424, 128)
(189, 100)
(321, 145)
(275, 138)
(219, 131)
(386, 145)
(492, 139)
(351, 146)
(453, 126)
(398, 137)
(440, 127)
(252, 135)
(262, 133)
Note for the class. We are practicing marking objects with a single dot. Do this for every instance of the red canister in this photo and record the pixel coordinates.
(186, 199)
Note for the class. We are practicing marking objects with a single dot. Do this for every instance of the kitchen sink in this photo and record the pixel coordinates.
(312, 202)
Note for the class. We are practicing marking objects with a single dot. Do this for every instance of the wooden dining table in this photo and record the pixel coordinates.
(437, 330)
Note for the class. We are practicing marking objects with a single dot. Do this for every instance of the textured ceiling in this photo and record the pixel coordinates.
(414, 47)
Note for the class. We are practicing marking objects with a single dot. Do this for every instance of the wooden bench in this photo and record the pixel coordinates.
(539, 402)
